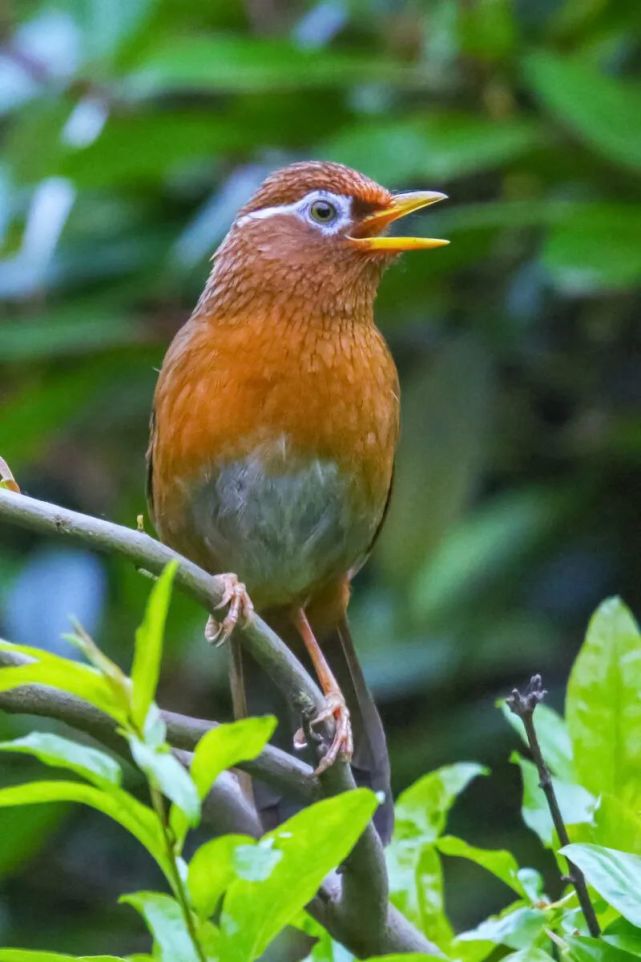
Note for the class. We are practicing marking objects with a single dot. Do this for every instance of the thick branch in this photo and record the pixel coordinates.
(357, 911)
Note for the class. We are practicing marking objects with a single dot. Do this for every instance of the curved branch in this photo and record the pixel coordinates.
(273, 766)
(355, 910)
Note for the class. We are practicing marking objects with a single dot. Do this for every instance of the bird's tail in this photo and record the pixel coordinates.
(255, 694)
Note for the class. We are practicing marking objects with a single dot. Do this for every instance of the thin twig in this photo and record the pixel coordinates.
(523, 705)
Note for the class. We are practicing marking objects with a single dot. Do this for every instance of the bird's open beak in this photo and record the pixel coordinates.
(370, 227)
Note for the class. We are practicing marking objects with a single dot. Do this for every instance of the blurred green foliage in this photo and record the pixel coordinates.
(132, 130)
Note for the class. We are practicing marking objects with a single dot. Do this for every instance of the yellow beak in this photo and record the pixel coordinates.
(401, 205)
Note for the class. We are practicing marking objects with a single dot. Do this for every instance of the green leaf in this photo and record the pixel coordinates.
(601, 110)
(231, 63)
(616, 825)
(404, 957)
(311, 843)
(552, 734)
(421, 810)
(227, 745)
(69, 676)
(256, 862)
(415, 873)
(480, 547)
(624, 936)
(446, 417)
(211, 869)
(595, 250)
(500, 863)
(615, 875)
(576, 803)
(603, 708)
(90, 763)
(585, 949)
(166, 772)
(72, 331)
(221, 748)
(530, 954)
(139, 820)
(28, 955)
(517, 928)
(148, 650)
(165, 921)
(439, 146)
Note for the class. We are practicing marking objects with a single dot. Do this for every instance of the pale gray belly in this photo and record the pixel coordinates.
(283, 527)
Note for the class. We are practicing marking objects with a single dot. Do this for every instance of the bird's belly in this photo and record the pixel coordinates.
(284, 528)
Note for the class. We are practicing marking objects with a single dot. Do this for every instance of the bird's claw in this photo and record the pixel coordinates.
(240, 611)
(342, 745)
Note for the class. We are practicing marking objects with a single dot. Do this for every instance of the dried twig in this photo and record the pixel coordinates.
(523, 705)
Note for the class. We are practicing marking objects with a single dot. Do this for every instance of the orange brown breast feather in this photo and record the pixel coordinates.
(277, 407)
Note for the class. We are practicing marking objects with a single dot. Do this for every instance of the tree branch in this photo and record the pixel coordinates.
(342, 906)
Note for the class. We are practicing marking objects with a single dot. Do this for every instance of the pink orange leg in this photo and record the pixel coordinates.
(335, 706)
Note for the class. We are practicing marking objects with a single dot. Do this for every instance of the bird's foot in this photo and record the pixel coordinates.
(342, 745)
(240, 611)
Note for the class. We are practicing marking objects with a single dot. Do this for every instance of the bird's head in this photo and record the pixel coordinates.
(316, 230)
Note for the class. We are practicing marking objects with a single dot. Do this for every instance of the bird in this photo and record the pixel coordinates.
(273, 434)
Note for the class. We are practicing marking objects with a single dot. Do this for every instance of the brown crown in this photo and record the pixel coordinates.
(289, 184)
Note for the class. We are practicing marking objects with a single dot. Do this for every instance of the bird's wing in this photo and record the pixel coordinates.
(361, 561)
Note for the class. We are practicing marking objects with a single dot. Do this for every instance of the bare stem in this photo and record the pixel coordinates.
(524, 705)
(158, 804)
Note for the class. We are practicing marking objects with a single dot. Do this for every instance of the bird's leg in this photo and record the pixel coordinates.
(240, 610)
(335, 706)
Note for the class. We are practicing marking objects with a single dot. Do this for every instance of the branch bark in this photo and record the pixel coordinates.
(355, 907)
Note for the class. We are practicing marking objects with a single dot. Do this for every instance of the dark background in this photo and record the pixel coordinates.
(132, 130)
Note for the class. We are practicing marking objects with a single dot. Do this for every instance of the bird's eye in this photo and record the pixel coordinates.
(323, 212)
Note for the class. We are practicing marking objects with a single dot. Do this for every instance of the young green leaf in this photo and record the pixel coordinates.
(311, 843)
(90, 763)
(615, 875)
(500, 863)
(227, 745)
(148, 650)
(530, 954)
(416, 875)
(166, 772)
(607, 119)
(603, 708)
(405, 957)
(624, 936)
(421, 810)
(518, 928)
(221, 748)
(70, 676)
(212, 869)
(139, 820)
(164, 920)
(28, 955)
(585, 949)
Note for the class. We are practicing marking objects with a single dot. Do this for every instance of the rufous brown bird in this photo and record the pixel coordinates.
(275, 423)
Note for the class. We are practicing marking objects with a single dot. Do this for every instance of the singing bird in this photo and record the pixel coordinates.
(274, 429)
